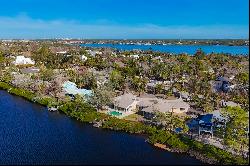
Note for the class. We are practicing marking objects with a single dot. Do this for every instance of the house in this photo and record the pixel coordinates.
(126, 102)
(152, 85)
(158, 58)
(229, 104)
(93, 53)
(200, 96)
(185, 96)
(149, 106)
(231, 77)
(211, 70)
(205, 123)
(30, 70)
(84, 58)
(21, 60)
(114, 54)
(222, 84)
(71, 89)
(136, 56)
(176, 92)
(219, 119)
(61, 52)
(146, 107)
(175, 106)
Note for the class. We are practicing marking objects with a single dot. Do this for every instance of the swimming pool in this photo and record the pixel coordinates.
(115, 113)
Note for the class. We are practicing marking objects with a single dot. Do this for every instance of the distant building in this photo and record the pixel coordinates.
(21, 60)
(152, 85)
(30, 70)
(93, 53)
(158, 58)
(136, 56)
(229, 103)
(84, 58)
(61, 52)
(222, 84)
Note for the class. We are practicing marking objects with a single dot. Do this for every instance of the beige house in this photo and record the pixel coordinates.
(126, 102)
(176, 106)
(149, 106)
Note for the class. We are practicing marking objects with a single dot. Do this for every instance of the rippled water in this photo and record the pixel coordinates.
(31, 135)
(190, 49)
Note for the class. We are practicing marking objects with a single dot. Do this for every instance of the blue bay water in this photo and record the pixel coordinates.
(29, 134)
(189, 49)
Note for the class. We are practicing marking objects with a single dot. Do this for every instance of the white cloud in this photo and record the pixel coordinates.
(23, 26)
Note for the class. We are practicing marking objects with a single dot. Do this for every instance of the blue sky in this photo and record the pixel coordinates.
(124, 19)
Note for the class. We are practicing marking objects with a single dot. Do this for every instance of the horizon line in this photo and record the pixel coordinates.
(68, 38)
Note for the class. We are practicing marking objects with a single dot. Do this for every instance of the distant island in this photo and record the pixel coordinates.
(228, 42)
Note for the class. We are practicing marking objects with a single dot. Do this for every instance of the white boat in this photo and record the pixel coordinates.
(52, 109)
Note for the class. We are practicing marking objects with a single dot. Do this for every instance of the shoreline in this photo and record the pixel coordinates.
(134, 128)
(174, 44)
(167, 48)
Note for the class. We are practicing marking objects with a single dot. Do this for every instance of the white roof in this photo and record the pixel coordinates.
(125, 100)
(229, 103)
(21, 60)
(84, 58)
(135, 56)
(61, 52)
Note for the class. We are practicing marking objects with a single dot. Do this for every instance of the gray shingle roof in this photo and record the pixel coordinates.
(162, 105)
(124, 100)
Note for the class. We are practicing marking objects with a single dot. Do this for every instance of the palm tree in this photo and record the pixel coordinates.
(139, 84)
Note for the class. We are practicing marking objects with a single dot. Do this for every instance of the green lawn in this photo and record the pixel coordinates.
(133, 117)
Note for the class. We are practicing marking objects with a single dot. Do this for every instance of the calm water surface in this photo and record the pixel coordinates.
(31, 135)
(190, 49)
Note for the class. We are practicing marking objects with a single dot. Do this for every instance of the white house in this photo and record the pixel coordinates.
(229, 103)
(158, 58)
(136, 56)
(61, 52)
(21, 60)
(93, 53)
(83, 58)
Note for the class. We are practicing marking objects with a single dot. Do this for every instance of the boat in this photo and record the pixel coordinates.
(97, 124)
(52, 109)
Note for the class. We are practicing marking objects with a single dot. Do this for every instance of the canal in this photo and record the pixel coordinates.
(29, 134)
